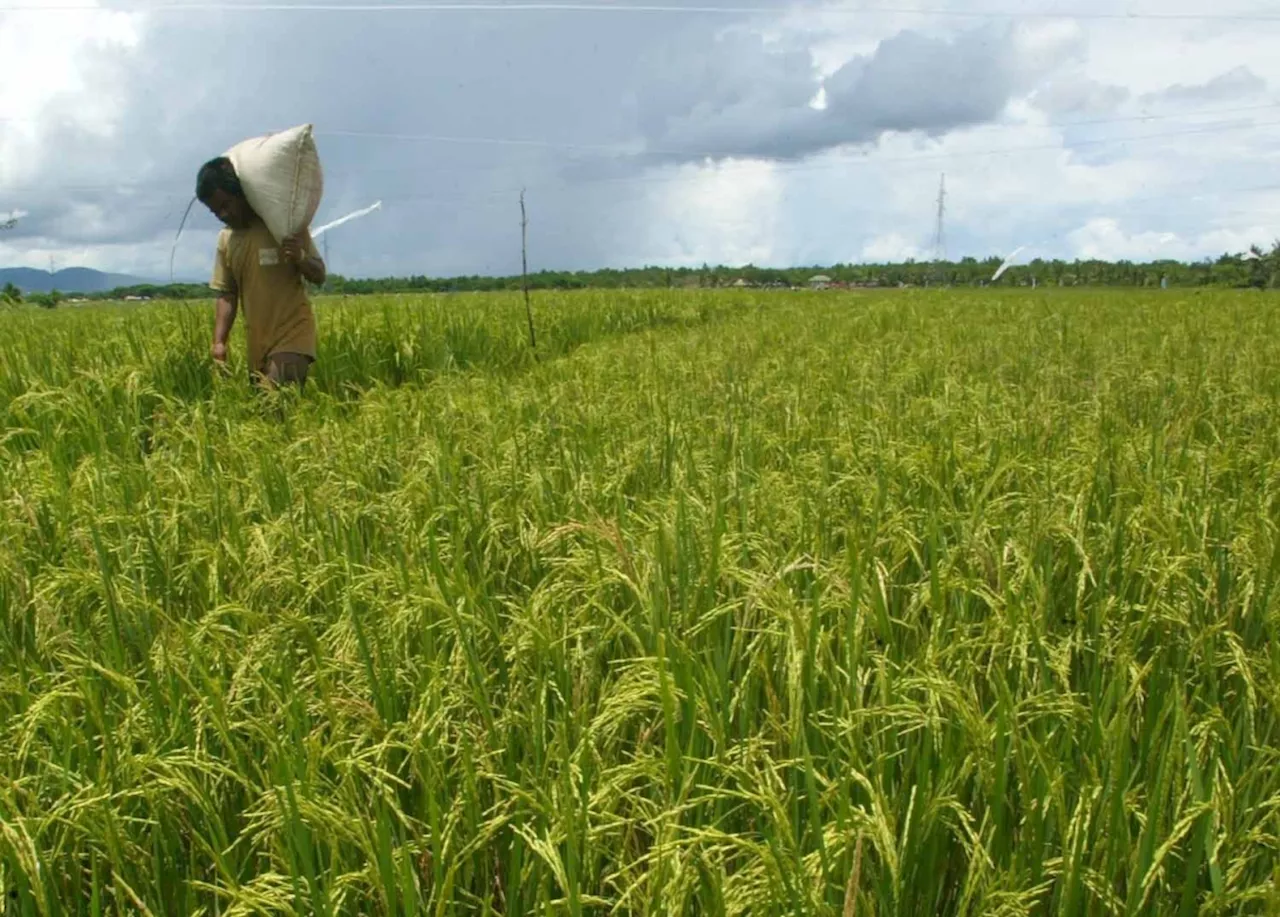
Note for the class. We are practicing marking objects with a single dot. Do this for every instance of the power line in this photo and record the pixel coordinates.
(649, 8)
(582, 227)
(631, 148)
(625, 148)
(503, 197)
(802, 166)
(1165, 117)
(908, 160)
(501, 200)
(692, 156)
(778, 167)
(616, 222)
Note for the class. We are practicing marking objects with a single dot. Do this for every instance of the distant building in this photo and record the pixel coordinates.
(819, 282)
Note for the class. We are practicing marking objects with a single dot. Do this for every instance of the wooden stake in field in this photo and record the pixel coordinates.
(524, 272)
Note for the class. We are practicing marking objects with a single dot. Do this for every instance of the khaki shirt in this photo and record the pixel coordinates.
(272, 293)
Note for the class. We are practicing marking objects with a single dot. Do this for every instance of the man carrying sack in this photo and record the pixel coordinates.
(262, 266)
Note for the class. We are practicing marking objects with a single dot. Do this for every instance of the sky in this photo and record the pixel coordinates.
(769, 133)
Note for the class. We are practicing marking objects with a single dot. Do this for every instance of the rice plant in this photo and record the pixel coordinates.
(895, 603)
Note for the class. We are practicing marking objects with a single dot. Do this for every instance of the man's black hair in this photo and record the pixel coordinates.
(217, 175)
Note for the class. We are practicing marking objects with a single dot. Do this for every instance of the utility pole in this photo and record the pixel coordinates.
(939, 236)
(524, 272)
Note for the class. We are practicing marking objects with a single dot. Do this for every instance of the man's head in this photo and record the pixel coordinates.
(219, 189)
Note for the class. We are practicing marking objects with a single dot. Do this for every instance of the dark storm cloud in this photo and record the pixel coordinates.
(740, 97)
(673, 86)
(199, 83)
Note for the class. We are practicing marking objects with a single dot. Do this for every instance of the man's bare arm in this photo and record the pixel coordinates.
(224, 318)
(313, 269)
(309, 266)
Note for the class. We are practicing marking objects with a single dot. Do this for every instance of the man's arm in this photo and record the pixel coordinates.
(225, 317)
(301, 251)
(313, 269)
(224, 284)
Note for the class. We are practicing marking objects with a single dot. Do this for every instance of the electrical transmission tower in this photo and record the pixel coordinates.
(939, 237)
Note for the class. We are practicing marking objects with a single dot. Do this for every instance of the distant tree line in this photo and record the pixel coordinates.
(1256, 268)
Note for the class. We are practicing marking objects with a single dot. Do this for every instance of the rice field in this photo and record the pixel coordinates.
(731, 603)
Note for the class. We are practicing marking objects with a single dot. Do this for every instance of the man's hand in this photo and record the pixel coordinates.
(295, 252)
(219, 352)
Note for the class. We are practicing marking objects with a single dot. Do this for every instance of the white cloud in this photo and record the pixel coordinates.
(1077, 94)
(1174, 193)
(54, 52)
(892, 247)
(1106, 239)
(724, 212)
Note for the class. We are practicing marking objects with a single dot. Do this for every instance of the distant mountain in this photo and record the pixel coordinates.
(68, 280)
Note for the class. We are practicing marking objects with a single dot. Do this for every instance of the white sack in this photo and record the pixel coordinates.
(281, 177)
